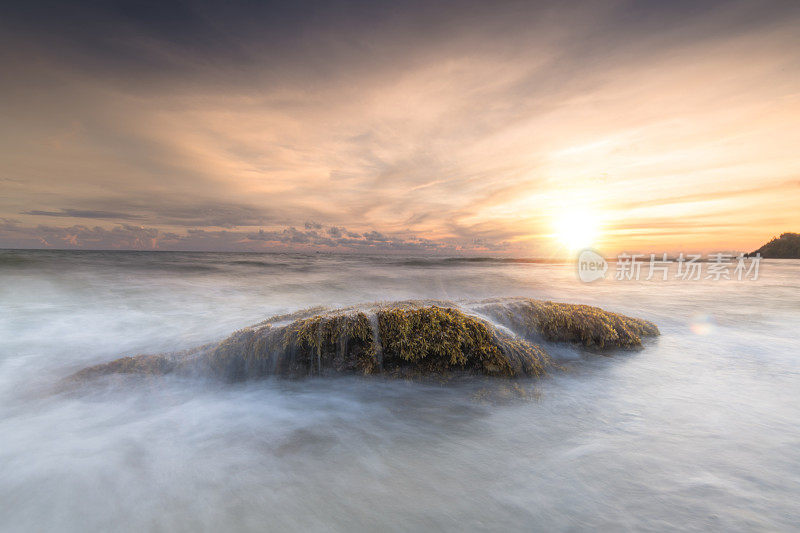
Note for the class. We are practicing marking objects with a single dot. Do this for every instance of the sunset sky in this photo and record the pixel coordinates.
(521, 128)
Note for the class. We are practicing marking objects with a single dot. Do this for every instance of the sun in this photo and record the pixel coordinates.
(576, 229)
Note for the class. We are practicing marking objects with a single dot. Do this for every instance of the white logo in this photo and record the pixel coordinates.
(591, 266)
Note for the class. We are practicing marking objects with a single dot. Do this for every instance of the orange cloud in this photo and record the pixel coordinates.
(473, 135)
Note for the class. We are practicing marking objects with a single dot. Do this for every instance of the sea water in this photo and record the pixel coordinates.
(700, 430)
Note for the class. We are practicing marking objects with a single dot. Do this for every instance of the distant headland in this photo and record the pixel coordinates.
(787, 246)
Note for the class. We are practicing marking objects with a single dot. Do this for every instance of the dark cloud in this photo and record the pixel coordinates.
(217, 215)
(289, 235)
(182, 212)
(336, 232)
(339, 238)
(374, 236)
(148, 45)
(83, 213)
(127, 236)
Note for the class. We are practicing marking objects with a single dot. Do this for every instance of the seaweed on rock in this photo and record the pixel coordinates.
(590, 326)
(318, 344)
(400, 339)
(436, 339)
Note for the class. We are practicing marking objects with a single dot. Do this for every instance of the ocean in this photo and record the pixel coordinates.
(698, 431)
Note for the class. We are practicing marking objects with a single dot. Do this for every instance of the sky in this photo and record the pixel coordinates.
(499, 128)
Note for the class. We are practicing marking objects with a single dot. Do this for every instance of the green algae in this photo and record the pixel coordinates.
(315, 345)
(590, 326)
(435, 339)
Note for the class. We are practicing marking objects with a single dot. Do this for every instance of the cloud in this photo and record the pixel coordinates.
(82, 213)
(224, 215)
(374, 236)
(336, 232)
(466, 124)
(186, 212)
(126, 236)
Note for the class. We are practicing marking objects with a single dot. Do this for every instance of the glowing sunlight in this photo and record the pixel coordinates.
(576, 229)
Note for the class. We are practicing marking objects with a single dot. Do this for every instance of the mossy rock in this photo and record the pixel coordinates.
(413, 338)
(590, 326)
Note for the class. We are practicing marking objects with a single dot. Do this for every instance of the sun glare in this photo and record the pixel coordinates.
(576, 229)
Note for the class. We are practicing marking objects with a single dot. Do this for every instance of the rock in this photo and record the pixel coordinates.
(498, 337)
